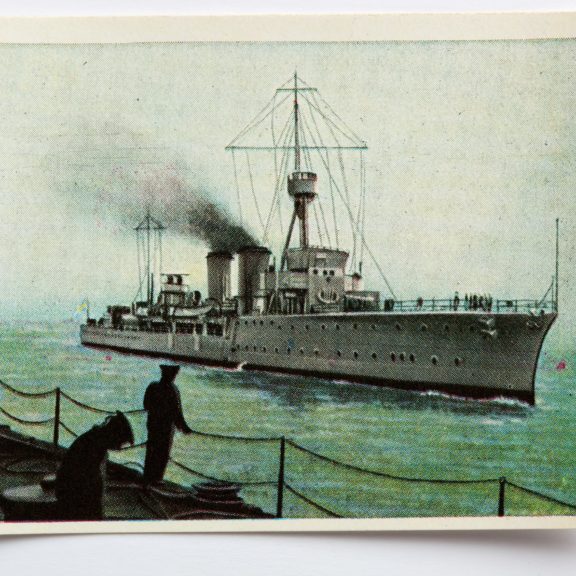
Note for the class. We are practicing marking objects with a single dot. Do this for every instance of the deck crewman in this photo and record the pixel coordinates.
(164, 407)
(80, 478)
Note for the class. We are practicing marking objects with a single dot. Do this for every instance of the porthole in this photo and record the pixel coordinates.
(355, 326)
(331, 272)
(402, 356)
(246, 348)
(355, 354)
(255, 348)
(315, 271)
(374, 356)
(246, 322)
(307, 327)
(393, 356)
(423, 327)
(254, 322)
(337, 326)
(263, 348)
(288, 350)
(292, 327)
(397, 326)
(276, 350)
(271, 322)
(279, 326)
(237, 322)
(373, 326)
(325, 272)
(434, 360)
(412, 358)
(446, 328)
(261, 322)
(301, 350)
(339, 353)
(316, 351)
(457, 361)
(323, 326)
(472, 328)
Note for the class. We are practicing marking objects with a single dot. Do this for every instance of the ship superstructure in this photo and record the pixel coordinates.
(311, 315)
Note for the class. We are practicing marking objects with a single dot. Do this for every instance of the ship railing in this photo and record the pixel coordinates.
(450, 304)
(303, 482)
(525, 305)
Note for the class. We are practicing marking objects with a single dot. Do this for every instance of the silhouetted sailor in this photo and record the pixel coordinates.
(162, 402)
(80, 478)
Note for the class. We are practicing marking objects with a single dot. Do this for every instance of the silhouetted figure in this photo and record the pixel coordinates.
(80, 479)
(456, 301)
(162, 402)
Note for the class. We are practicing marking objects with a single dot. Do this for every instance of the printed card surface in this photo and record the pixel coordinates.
(287, 273)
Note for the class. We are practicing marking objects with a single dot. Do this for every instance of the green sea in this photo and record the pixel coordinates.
(405, 434)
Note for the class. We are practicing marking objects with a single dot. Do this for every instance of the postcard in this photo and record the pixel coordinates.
(287, 273)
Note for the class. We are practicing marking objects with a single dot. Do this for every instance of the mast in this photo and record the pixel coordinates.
(150, 226)
(302, 184)
(557, 260)
(148, 293)
(296, 135)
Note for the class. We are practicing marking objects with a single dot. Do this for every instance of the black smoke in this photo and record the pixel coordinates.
(213, 225)
(187, 209)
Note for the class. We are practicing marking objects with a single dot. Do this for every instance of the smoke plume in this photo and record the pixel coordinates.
(189, 210)
(122, 176)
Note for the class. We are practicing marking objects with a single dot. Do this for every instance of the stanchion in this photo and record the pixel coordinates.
(57, 418)
(501, 494)
(279, 501)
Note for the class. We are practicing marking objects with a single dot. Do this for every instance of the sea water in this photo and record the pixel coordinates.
(401, 433)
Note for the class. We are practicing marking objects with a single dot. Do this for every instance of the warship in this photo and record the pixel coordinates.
(310, 315)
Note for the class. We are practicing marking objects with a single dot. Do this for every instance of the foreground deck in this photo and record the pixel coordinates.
(26, 461)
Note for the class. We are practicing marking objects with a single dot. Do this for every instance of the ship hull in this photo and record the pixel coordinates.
(470, 354)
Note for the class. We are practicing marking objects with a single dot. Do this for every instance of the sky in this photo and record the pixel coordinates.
(470, 159)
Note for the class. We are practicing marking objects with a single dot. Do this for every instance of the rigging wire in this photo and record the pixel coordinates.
(344, 180)
(256, 122)
(284, 135)
(329, 122)
(142, 276)
(139, 292)
(367, 246)
(280, 177)
(237, 188)
(363, 201)
(279, 207)
(306, 126)
(254, 192)
(353, 134)
(160, 258)
(327, 164)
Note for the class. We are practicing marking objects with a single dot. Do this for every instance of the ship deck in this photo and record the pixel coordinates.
(25, 461)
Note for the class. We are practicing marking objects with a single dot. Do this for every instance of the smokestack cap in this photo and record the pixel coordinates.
(261, 249)
(221, 254)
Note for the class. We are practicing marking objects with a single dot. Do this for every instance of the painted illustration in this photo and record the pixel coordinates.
(250, 281)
